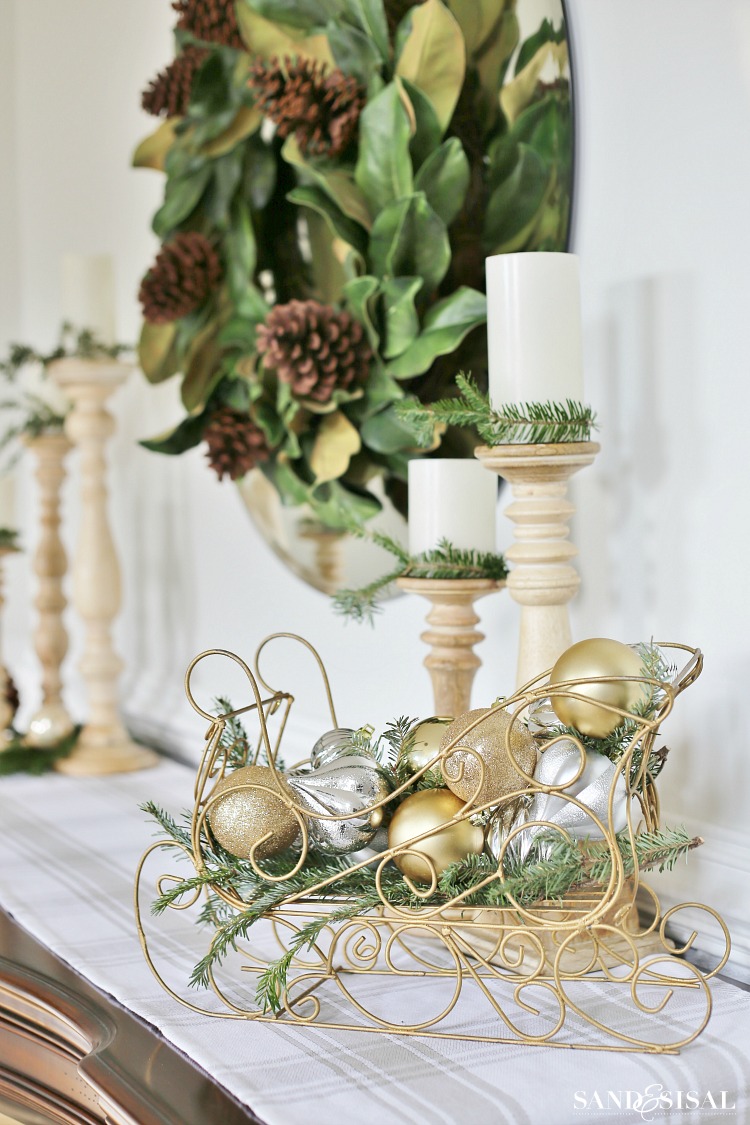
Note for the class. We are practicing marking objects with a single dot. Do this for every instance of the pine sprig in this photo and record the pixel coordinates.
(530, 423)
(444, 561)
(548, 878)
(19, 758)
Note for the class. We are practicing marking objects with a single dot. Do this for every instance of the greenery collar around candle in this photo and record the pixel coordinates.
(530, 423)
(444, 561)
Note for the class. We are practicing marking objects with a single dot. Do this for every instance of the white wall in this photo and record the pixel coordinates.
(663, 93)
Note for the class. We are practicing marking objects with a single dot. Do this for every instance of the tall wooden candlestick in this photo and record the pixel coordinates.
(104, 746)
(542, 580)
(52, 721)
(452, 634)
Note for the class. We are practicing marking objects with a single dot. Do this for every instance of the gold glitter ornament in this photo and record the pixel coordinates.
(451, 840)
(243, 816)
(424, 745)
(488, 740)
(597, 657)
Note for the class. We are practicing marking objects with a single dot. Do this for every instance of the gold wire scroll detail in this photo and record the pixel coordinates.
(535, 973)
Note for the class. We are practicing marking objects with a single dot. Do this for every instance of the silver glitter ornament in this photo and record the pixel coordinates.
(340, 780)
(560, 763)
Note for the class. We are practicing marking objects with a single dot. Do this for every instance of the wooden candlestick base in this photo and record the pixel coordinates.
(51, 722)
(452, 662)
(104, 746)
(542, 580)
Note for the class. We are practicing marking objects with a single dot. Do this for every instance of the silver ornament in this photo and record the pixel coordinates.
(332, 744)
(560, 763)
(340, 779)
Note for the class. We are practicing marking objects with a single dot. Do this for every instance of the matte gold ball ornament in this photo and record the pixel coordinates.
(425, 742)
(242, 816)
(597, 657)
(432, 810)
(489, 773)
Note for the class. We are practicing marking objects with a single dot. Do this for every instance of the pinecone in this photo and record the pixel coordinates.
(169, 93)
(235, 444)
(213, 21)
(320, 108)
(314, 348)
(185, 272)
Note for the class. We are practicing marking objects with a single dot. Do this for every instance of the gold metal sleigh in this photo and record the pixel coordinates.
(588, 971)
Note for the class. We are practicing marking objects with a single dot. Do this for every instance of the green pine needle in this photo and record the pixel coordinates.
(18, 758)
(444, 561)
(530, 423)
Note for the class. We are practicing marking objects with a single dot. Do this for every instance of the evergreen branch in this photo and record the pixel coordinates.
(20, 758)
(445, 561)
(529, 423)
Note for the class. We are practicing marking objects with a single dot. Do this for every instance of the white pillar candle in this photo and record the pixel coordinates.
(534, 328)
(453, 500)
(88, 294)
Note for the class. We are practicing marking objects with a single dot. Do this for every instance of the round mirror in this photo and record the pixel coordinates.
(334, 184)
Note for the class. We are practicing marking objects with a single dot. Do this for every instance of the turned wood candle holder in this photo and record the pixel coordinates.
(542, 580)
(104, 746)
(452, 662)
(51, 722)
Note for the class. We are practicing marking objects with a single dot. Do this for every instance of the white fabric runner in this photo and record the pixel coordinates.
(68, 852)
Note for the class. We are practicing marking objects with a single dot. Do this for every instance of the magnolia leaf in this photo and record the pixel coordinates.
(478, 19)
(386, 433)
(329, 273)
(384, 171)
(202, 367)
(493, 63)
(445, 326)
(516, 95)
(358, 294)
(338, 184)
(434, 57)
(336, 505)
(400, 315)
(339, 223)
(336, 443)
(370, 15)
(157, 354)
(444, 178)
(181, 197)
(514, 206)
(247, 121)
(152, 151)
(186, 435)
(545, 33)
(265, 38)
(381, 390)
(302, 14)
(426, 130)
(409, 240)
(354, 52)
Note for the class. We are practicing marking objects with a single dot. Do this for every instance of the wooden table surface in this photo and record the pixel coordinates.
(71, 1054)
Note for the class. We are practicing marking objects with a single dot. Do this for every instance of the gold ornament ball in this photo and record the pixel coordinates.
(489, 741)
(426, 742)
(243, 816)
(596, 657)
(432, 809)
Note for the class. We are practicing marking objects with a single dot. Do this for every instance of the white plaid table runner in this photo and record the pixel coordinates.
(68, 852)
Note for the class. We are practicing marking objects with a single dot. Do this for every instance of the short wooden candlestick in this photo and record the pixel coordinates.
(452, 662)
(104, 746)
(51, 722)
(542, 580)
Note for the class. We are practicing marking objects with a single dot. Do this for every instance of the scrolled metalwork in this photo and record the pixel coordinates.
(513, 964)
